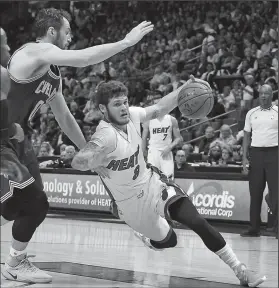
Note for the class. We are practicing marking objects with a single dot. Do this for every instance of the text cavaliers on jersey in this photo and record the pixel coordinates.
(26, 96)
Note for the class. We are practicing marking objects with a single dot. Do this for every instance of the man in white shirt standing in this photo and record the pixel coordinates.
(261, 130)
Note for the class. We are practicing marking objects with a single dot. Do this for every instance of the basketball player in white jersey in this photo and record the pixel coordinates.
(164, 135)
(145, 202)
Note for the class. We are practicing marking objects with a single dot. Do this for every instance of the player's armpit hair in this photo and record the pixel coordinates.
(81, 159)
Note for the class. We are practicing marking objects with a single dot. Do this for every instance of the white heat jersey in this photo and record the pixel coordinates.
(127, 171)
(160, 133)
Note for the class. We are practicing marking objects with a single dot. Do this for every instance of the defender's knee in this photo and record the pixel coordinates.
(35, 203)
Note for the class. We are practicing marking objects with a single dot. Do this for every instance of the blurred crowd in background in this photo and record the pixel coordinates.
(232, 45)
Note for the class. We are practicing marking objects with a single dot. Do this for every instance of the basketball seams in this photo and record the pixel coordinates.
(200, 90)
(187, 99)
(200, 107)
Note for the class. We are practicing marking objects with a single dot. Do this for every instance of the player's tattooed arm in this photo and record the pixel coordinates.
(90, 155)
(152, 112)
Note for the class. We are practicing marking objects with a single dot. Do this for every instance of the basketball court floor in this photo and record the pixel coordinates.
(81, 253)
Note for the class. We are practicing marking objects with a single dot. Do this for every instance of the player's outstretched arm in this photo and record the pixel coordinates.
(85, 156)
(95, 152)
(51, 54)
(144, 136)
(65, 119)
(169, 102)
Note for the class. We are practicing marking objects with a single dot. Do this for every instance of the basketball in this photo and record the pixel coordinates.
(195, 101)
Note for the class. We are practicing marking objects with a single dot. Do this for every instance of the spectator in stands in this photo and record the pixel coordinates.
(139, 94)
(177, 81)
(63, 155)
(68, 80)
(255, 52)
(236, 93)
(242, 39)
(212, 55)
(188, 149)
(52, 132)
(230, 68)
(45, 150)
(180, 162)
(217, 110)
(250, 92)
(202, 66)
(227, 98)
(87, 132)
(215, 153)
(207, 140)
(226, 136)
(70, 152)
(76, 112)
(237, 154)
(209, 73)
(226, 157)
(62, 148)
(272, 82)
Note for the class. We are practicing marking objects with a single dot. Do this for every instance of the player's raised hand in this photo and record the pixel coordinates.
(193, 79)
(137, 33)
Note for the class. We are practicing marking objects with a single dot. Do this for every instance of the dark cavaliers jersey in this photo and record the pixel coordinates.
(26, 96)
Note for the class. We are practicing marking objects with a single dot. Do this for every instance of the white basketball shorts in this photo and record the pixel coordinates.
(146, 212)
(166, 164)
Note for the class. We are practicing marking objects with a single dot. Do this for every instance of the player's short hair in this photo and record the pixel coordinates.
(106, 91)
(47, 18)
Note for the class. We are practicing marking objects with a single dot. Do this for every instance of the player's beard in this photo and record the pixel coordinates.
(113, 119)
(59, 42)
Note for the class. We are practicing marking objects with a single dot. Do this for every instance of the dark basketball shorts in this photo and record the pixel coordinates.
(19, 168)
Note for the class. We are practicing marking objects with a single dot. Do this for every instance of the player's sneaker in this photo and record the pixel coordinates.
(26, 272)
(146, 241)
(247, 277)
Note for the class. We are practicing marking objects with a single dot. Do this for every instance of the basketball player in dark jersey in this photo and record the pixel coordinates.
(36, 80)
(13, 131)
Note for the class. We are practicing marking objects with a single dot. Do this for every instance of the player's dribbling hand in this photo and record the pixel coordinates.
(137, 33)
(19, 135)
(193, 79)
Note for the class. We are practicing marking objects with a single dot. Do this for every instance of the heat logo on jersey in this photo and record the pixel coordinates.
(160, 130)
(126, 163)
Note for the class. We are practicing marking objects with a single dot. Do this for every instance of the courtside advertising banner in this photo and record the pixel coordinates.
(221, 199)
(214, 199)
(82, 192)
